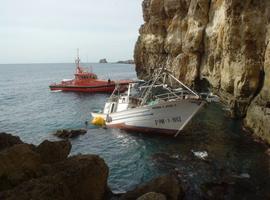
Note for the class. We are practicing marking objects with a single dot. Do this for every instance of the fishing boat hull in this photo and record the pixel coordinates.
(165, 118)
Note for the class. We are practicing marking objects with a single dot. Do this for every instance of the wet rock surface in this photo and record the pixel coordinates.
(8, 140)
(224, 43)
(65, 133)
(152, 196)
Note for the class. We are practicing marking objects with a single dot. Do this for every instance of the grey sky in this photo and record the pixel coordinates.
(50, 30)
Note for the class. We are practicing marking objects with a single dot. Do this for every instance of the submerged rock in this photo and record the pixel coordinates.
(152, 196)
(166, 185)
(65, 133)
(215, 191)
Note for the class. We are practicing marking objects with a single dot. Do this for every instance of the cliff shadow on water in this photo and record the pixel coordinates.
(236, 167)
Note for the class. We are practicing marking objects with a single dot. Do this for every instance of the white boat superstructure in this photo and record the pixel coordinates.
(161, 105)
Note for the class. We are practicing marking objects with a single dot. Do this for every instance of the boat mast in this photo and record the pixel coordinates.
(167, 74)
(151, 86)
(77, 61)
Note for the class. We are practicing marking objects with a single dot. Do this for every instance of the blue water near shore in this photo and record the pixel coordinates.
(29, 110)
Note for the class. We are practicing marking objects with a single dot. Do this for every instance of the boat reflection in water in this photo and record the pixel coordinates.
(161, 105)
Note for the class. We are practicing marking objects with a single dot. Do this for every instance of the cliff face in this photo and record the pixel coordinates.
(224, 42)
(258, 114)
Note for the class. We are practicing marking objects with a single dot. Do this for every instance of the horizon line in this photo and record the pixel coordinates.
(61, 63)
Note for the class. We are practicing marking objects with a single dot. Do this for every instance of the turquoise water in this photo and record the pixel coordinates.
(29, 110)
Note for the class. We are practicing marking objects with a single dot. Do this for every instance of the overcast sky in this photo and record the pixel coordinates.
(50, 31)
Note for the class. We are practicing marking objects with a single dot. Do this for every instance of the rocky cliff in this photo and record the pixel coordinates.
(221, 42)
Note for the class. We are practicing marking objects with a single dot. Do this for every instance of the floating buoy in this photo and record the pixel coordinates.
(98, 121)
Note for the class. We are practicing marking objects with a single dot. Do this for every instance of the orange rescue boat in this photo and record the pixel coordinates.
(86, 81)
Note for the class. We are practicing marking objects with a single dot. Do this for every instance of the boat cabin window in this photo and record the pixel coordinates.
(80, 77)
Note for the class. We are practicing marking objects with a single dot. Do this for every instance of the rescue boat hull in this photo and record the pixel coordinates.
(89, 89)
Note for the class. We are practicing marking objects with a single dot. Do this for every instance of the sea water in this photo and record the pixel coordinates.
(30, 110)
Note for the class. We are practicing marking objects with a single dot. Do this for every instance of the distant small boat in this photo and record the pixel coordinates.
(87, 81)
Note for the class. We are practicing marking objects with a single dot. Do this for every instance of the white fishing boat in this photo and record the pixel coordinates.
(161, 105)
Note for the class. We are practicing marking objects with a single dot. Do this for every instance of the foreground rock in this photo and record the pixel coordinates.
(52, 152)
(18, 163)
(45, 172)
(166, 185)
(152, 196)
(8, 140)
(65, 133)
(224, 43)
(79, 177)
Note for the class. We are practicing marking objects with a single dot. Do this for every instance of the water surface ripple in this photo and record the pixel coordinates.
(29, 110)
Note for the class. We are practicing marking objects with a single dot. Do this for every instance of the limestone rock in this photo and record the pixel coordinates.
(258, 115)
(152, 196)
(221, 41)
(52, 152)
(166, 185)
(8, 140)
(171, 7)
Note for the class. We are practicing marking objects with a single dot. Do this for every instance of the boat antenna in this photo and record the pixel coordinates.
(78, 58)
(77, 61)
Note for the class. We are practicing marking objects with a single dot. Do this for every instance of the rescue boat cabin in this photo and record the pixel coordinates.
(81, 74)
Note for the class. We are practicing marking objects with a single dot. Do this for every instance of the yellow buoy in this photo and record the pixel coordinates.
(98, 121)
